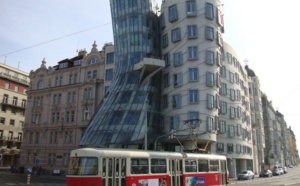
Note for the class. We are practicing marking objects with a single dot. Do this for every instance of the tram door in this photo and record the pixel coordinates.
(113, 171)
(175, 167)
(223, 172)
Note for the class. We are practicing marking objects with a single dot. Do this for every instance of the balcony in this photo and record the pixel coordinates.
(14, 78)
(18, 105)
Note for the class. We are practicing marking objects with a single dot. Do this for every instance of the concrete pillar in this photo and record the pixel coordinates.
(232, 168)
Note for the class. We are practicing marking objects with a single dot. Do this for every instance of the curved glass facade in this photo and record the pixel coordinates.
(131, 109)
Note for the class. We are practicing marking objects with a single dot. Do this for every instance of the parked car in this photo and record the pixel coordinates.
(284, 170)
(276, 172)
(246, 175)
(266, 173)
(291, 166)
(281, 170)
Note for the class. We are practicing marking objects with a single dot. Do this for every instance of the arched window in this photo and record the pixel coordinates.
(93, 61)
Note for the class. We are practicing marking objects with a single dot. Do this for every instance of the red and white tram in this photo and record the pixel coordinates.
(125, 167)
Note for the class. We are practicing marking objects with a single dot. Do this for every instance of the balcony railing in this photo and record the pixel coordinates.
(14, 139)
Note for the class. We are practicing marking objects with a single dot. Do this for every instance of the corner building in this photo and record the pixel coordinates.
(205, 95)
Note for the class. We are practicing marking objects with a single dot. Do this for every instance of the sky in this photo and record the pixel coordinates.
(263, 32)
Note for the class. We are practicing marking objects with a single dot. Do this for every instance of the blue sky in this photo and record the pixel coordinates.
(264, 32)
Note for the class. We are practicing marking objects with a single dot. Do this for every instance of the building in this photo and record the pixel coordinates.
(13, 85)
(258, 134)
(61, 102)
(284, 139)
(130, 114)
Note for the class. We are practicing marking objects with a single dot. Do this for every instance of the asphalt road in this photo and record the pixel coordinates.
(292, 178)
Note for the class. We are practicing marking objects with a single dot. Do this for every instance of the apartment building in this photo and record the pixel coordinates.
(61, 101)
(14, 84)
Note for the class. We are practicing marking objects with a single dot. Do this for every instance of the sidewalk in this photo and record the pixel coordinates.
(9, 173)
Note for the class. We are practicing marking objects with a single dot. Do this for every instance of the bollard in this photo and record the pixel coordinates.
(28, 179)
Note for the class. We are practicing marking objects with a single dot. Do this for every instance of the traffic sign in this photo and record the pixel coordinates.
(29, 170)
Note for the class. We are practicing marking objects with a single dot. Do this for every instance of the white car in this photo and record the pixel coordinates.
(246, 175)
(281, 171)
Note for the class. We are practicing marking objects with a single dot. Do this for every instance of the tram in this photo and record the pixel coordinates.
(126, 167)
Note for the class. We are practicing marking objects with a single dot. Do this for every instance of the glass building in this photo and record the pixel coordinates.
(130, 109)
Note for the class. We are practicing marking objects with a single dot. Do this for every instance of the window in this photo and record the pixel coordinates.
(209, 57)
(209, 33)
(74, 97)
(6, 85)
(12, 122)
(109, 74)
(15, 101)
(232, 112)
(16, 89)
(78, 62)
(220, 18)
(174, 122)
(139, 166)
(214, 165)
(177, 80)
(93, 61)
(58, 98)
(75, 78)
(231, 131)
(210, 101)
(223, 107)
(231, 75)
(219, 60)
(203, 166)
(237, 78)
(220, 39)
(238, 95)
(222, 126)
(86, 114)
(5, 98)
(166, 80)
(230, 148)
(191, 9)
(209, 11)
(89, 75)
(131, 118)
(162, 21)
(166, 57)
(239, 129)
(232, 94)
(41, 85)
(88, 93)
(132, 3)
(176, 101)
(210, 79)
(193, 96)
(95, 74)
(223, 89)
(109, 58)
(192, 31)
(165, 41)
(176, 36)
(60, 80)
(193, 74)
(218, 81)
(165, 101)
(173, 13)
(70, 79)
(190, 166)
(239, 112)
(223, 71)
(194, 118)
(177, 58)
(192, 53)
(2, 120)
(229, 56)
(238, 148)
(63, 65)
(220, 147)
(209, 123)
(158, 165)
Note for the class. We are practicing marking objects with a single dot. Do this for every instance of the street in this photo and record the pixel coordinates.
(292, 178)
(7, 178)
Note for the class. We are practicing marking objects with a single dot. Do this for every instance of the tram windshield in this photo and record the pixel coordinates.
(81, 166)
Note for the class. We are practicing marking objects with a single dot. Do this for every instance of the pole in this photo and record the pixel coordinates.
(28, 179)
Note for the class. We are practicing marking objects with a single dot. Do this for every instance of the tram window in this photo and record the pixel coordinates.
(203, 165)
(214, 165)
(110, 167)
(104, 167)
(158, 166)
(123, 167)
(190, 166)
(139, 166)
(83, 166)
